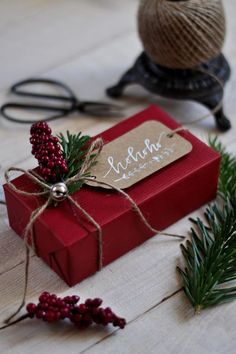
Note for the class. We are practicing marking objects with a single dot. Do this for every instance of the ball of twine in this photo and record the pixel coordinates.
(181, 34)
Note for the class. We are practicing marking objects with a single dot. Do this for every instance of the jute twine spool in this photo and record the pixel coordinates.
(181, 34)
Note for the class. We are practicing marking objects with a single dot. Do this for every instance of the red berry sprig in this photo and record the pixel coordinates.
(52, 308)
(47, 150)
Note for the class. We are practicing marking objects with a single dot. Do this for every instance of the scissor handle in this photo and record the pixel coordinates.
(71, 96)
(62, 112)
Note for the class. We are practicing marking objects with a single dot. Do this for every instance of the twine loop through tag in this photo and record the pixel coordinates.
(207, 115)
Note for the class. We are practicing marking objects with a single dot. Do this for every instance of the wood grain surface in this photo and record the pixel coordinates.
(88, 44)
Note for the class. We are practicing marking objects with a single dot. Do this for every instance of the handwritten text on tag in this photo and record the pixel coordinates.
(138, 154)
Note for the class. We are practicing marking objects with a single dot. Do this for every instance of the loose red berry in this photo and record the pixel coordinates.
(31, 308)
(50, 164)
(44, 306)
(40, 314)
(89, 302)
(65, 312)
(76, 318)
(82, 308)
(97, 302)
(60, 303)
(75, 299)
(52, 301)
(50, 316)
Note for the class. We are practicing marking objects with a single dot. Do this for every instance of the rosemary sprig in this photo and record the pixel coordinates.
(210, 255)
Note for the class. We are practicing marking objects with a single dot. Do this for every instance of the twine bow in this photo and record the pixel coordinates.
(48, 192)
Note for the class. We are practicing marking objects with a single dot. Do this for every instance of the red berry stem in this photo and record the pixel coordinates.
(22, 318)
(51, 308)
(48, 152)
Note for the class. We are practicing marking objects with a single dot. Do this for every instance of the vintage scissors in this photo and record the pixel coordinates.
(68, 102)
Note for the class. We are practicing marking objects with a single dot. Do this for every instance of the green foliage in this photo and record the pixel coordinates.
(74, 147)
(227, 180)
(210, 255)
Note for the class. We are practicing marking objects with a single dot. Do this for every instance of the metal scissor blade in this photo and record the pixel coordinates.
(100, 108)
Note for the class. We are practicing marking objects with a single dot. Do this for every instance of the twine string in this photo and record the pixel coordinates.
(32, 177)
(98, 227)
(181, 34)
(90, 158)
(26, 277)
(29, 231)
(214, 110)
(34, 216)
(135, 207)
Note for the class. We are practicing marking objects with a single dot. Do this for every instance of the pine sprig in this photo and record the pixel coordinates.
(227, 180)
(210, 255)
(74, 147)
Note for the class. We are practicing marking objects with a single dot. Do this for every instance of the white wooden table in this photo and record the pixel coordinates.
(88, 44)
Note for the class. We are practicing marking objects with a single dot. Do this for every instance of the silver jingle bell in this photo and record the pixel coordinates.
(59, 192)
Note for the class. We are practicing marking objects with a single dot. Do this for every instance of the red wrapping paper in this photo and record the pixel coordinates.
(68, 243)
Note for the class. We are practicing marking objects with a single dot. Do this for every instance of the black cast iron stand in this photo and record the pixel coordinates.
(180, 84)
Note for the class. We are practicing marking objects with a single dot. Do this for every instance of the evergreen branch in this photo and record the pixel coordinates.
(74, 148)
(210, 255)
(227, 179)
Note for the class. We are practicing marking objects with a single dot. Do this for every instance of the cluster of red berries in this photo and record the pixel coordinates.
(47, 150)
(52, 308)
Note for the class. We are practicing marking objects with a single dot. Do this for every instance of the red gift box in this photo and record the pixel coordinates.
(68, 243)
